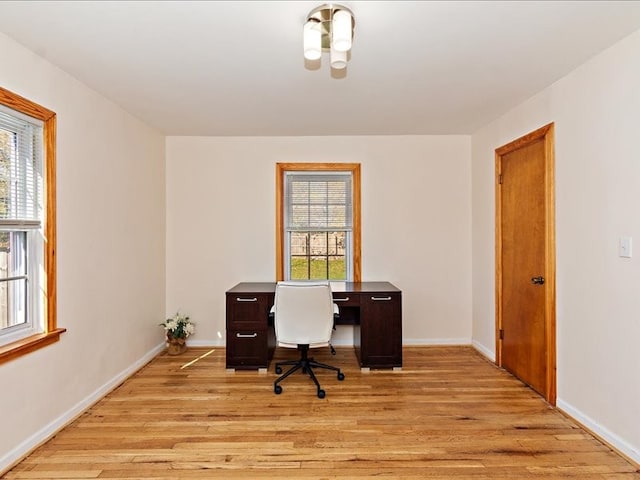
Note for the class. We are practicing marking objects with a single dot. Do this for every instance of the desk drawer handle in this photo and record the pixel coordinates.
(380, 299)
(341, 299)
(254, 299)
(251, 335)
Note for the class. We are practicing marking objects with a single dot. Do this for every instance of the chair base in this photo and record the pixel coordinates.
(307, 365)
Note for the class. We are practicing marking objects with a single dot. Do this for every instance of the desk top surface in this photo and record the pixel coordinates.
(339, 287)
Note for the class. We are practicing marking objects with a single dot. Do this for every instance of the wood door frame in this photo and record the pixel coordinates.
(547, 134)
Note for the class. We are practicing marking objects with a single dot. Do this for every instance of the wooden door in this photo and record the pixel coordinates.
(525, 261)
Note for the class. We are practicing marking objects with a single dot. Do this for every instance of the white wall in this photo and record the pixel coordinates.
(596, 110)
(111, 275)
(416, 223)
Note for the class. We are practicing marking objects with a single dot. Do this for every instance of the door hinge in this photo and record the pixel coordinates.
(500, 179)
(501, 334)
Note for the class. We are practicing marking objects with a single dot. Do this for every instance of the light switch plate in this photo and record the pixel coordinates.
(624, 247)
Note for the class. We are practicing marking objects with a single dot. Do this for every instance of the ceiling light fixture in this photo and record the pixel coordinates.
(329, 28)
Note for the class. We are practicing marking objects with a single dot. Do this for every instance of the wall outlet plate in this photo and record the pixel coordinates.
(624, 247)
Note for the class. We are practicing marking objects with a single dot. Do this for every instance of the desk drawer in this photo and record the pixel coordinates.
(247, 349)
(346, 299)
(248, 311)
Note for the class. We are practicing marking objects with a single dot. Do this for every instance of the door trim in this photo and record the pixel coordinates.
(547, 134)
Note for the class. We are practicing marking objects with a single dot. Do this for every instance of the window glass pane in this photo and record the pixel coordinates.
(318, 243)
(337, 216)
(299, 243)
(13, 305)
(336, 255)
(13, 254)
(20, 169)
(318, 201)
(13, 279)
(318, 268)
(6, 142)
(337, 268)
(299, 261)
(317, 256)
(336, 243)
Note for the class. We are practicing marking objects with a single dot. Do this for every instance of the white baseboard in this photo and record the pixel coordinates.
(24, 448)
(206, 343)
(436, 341)
(612, 439)
(484, 351)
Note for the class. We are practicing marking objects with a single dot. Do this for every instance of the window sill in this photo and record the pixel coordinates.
(30, 344)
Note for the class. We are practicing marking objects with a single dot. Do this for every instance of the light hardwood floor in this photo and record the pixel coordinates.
(449, 414)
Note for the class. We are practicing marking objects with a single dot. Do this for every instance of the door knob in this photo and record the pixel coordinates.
(537, 280)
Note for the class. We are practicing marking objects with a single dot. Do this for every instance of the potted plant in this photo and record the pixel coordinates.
(177, 330)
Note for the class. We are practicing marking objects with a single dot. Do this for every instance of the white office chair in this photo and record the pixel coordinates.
(303, 318)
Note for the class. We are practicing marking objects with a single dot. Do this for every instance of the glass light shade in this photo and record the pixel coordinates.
(338, 59)
(341, 31)
(312, 40)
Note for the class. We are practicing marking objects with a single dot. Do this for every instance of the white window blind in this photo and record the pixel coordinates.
(318, 202)
(21, 188)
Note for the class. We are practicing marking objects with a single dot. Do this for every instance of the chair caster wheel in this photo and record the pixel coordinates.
(321, 393)
(277, 389)
(340, 376)
(278, 370)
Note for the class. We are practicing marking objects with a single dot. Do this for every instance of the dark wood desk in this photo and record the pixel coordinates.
(373, 308)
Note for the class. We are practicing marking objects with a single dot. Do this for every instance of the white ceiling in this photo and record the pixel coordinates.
(236, 68)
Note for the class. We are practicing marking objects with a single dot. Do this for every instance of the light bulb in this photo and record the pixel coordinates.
(312, 39)
(338, 59)
(341, 31)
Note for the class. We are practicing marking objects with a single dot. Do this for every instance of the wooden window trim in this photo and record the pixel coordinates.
(52, 332)
(281, 168)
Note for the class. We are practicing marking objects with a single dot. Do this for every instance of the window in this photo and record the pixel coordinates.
(27, 226)
(318, 221)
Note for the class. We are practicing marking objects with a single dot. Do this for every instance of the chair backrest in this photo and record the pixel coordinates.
(303, 313)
